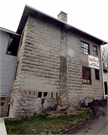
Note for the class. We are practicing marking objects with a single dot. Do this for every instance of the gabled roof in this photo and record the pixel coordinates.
(29, 11)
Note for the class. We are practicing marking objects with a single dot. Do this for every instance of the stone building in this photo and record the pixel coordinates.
(57, 65)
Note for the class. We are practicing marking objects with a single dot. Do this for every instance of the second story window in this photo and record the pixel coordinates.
(12, 46)
(84, 47)
(95, 50)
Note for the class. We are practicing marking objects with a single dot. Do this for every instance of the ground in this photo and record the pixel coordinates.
(97, 124)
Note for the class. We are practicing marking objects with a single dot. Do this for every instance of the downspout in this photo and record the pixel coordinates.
(102, 71)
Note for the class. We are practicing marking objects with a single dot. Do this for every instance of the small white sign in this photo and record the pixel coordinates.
(93, 62)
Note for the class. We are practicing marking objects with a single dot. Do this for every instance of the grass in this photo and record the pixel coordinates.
(44, 123)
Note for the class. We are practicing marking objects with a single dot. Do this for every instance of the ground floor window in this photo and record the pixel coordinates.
(96, 74)
(86, 75)
(105, 84)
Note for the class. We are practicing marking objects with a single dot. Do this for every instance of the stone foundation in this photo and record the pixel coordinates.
(24, 105)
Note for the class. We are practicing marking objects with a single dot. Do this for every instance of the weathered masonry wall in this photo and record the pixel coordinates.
(95, 90)
(74, 70)
(76, 89)
(39, 63)
(49, 69)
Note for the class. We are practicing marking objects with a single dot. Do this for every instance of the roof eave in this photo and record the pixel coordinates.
(29, 11)
(9, 32)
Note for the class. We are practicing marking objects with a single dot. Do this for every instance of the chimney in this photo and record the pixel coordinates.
(62, 16)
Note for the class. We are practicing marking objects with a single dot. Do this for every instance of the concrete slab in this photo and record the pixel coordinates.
(2, 127)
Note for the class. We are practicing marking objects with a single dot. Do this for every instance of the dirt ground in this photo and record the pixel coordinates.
(97, 124)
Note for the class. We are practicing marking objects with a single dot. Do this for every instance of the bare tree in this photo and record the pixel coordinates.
(105, 55)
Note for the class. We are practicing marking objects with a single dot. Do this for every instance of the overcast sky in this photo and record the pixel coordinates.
(90, 16)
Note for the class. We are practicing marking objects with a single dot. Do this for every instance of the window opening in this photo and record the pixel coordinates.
(2, 104)
(2, 98)
(39, 94)
(34, 93)
(86, 75)
(45, 94)
(51, 95)
(95, 50)
(12, 46)
(84, 47)
(105, 84)
(29, 92)
(96, 74)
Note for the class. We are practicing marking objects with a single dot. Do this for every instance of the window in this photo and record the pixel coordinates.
(95, 50)
(96, 74)
(86, 75)
(39, 94)
(51, 95)
(2, 98)
(84, 47)
(12, 46)
(45, 94)
(2, 104)
(105, 85)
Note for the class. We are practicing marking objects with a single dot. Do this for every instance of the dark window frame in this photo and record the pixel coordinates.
(97, 74)
(84, 48)
(84, 75)
(45, 94)
(39, 94)
(95, 52)
(8, 47)
(2, 104)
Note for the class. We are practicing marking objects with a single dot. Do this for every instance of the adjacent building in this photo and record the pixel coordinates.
(56, 66)
(8, 51)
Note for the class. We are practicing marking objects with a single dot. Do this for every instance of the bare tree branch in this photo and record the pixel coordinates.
(105, 55)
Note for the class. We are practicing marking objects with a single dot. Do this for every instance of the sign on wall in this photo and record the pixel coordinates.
(93, 62)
